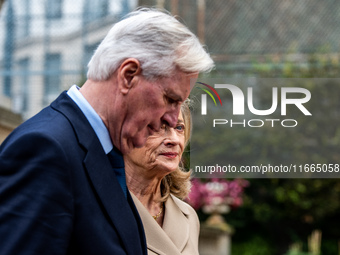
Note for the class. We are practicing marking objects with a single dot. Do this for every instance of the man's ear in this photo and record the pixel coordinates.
(128, 73)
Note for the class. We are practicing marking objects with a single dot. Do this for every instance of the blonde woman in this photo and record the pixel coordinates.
(157, 185)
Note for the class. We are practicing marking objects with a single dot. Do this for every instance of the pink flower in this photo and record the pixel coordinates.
(195, 197)
(217, 194)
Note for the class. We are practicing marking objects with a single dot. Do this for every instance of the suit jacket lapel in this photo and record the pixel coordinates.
(138, 219)
(114, 201)
(103, 178)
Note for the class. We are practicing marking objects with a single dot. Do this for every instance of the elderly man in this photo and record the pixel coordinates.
(62, 182)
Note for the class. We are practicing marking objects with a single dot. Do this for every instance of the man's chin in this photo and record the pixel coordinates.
(139, 142)
(125, 148)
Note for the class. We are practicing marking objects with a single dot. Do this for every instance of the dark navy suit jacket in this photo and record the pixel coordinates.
(58, 192)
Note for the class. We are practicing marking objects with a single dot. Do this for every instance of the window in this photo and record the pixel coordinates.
(52, 77)
(24, 17)
(95, 9)
(88, 52)
(54, 9)
(24, 84)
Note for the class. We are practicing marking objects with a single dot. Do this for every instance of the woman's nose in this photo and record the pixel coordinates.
(171, 137)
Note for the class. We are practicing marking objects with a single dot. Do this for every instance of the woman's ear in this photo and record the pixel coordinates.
(128, 73)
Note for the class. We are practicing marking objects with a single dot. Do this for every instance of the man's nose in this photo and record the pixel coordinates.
(170, 118)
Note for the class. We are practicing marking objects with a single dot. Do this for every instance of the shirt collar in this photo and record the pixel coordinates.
(95, 121)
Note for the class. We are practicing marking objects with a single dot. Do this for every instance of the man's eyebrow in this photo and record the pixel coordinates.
(174, 96)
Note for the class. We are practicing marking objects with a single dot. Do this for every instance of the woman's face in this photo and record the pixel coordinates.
(162, 152)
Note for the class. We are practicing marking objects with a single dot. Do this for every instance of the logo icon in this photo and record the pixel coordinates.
(204, 97)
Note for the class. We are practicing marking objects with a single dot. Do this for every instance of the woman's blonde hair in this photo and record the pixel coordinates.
(178, 182)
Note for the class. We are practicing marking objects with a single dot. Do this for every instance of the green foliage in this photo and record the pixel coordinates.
(254, 246)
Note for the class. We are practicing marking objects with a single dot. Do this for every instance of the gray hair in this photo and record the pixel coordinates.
(157, 40)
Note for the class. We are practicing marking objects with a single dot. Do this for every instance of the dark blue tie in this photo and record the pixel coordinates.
(117, 162)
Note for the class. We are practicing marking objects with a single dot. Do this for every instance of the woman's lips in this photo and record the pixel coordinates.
(170, 154)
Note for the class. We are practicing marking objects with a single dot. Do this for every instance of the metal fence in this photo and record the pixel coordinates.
(46, 44)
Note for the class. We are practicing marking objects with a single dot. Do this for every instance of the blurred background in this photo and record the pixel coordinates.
(46, 44)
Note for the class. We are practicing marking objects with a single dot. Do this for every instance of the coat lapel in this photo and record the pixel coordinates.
(102, 176)
(176, 224)
(172, 238)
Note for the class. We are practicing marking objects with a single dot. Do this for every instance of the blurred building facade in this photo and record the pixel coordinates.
(46, 45)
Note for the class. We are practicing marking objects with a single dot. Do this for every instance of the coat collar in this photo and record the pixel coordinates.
(174, 235)
(102, 177)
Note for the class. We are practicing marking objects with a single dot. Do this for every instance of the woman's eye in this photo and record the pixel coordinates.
(180, 128)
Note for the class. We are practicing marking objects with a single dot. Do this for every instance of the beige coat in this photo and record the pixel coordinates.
(180, 231)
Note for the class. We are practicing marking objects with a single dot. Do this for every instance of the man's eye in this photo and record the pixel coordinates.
(172, 101)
